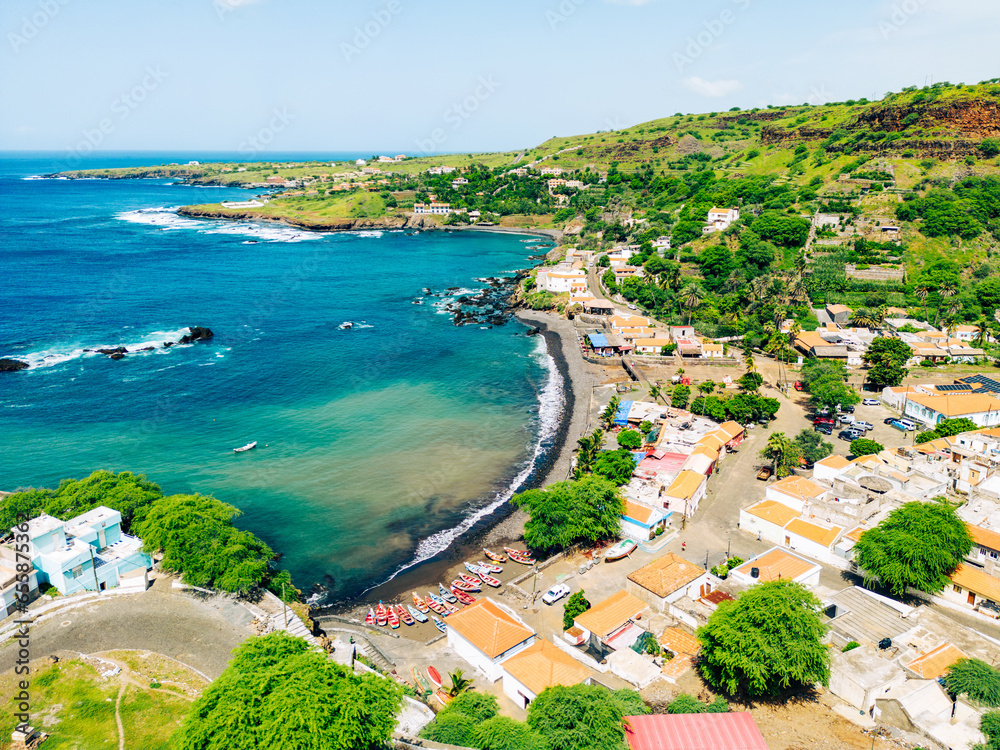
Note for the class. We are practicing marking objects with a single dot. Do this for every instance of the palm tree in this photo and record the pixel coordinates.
(691, 298)
(982, 333)
(590, 446)
(779, 450)
(863, 318)
(608, 415)
(654, 392)
(459, 684)
(946, 290)
(800, 264)
(922, 293)
(798, 292)
(749, 360)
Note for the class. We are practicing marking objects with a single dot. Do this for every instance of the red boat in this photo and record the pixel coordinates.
(452, 609)
(435, 676)
(436, 607)
(519, 557)
(420, 604)
(380, 615)
(461, 585)
(404, 616)
(392, 617)
(370, 619)
(494, 556)
(462, 596)
(469, 579)
(488, 579)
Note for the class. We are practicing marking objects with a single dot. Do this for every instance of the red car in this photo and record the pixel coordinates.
(823, 420)
(798, 386)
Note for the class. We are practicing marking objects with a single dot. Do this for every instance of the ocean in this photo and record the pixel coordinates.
(378, 445)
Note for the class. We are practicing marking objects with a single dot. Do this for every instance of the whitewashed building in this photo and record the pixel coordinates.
(486, 634)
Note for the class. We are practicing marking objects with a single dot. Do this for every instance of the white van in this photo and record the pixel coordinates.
(907, 424)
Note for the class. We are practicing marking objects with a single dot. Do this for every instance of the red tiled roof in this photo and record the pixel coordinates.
(732, 731)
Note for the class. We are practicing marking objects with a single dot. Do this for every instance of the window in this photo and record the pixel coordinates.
(956, 588)
(77, 571)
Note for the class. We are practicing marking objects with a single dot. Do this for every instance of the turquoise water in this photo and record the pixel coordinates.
(378, 445)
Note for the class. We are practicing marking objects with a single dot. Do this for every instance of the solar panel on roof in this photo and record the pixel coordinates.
(953, 388)
(988, 383)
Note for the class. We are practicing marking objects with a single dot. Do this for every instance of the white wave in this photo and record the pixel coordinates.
(167, 218)
(551, 400)
(33, 177)
(374, 233)
(57, 355)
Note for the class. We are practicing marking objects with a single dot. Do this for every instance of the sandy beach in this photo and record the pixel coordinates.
(505, 527)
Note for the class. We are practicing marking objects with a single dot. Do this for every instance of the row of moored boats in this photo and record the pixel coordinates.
(445, 601)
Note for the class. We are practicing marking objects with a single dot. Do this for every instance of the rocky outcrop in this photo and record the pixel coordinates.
(197, 333)
(12, 365)
(396, 221)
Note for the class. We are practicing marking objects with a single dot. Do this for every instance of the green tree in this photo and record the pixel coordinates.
(766, 641)
(975, 679)
(629, 439)
(680, 396)
(917, 546)
(505, 733)
(781, 452)
(590, 447)
(990, 726)
(278, 692)
(576, 605)
(865, 447)
(719, 705)
(750, 381)
(565, 513)
(988, 295)
(885, 360)
(616, 466)
(583, 717)
(685, 704)
(811, 446)
(716, 264)
(608, 415)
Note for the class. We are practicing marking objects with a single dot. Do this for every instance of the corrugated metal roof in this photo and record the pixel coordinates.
(732, 731)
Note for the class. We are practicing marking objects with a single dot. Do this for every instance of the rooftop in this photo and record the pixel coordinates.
(680, 641)
(867, 617)
(984, 537)
(935, 663)
(685, 485)
(489, 627)
(834, 462)
(773, 512)
(813, 532)
(607, 616)
(729, 731)
(978, 581)
(665, 575)
(638, 512)
(957, 405)
(799, 487)
(776, 564)
(542, 665)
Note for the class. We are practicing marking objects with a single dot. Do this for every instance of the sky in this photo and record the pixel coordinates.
(406, 77)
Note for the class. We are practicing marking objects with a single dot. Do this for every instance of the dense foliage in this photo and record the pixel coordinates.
(278, 692)
(885, 360)
(616, 466)
(783, 453)
(826, 381)
(946, 428)
(865, 447)
(917, 546)
(768, 640)
(629, 439)
(576, 605)
(568, 512)
(976, 680)
(812, 447)
(742, 407)
(584, 717)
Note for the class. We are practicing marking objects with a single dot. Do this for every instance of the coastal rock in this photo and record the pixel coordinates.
(167, 344)
(147, 349)
(197, 333)
(12, 365)
(533, 331)
(116, 355)
(112, 352)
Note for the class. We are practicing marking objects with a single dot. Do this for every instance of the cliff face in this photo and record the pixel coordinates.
(329, 225)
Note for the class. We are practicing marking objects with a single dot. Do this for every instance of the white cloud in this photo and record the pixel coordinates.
(712, 89)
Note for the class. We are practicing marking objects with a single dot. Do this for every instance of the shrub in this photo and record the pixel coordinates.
(685, 704)
(850, 647)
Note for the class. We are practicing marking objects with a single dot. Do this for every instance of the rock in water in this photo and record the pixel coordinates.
(197, 334)
(12, 365)
(116, 355)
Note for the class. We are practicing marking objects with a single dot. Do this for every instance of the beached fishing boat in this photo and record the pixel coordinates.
(435, 677)
(471, 580)
(452, 608)
(437, 606)
(420, 604)
(380, 615)
(404, 616)
(461, 585)
(443, 698)
(392, 617)
(494, 556)
(446, 593)
(435, 598)
(416, 613)
(370, 618)
(247, 447)
(489, 568)
(488, 579)
(472, 568)
(620, 550)
(439, 624)
(419, 680)
(519, 557)
(463, 597)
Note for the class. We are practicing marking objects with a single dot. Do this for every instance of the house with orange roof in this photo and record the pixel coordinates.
(486, 634)
(734, 431)
(830, 468)
(981, 408)
(667, 579)
(985, 551)
(685, 493)
(720, 219)
(767, 520)
(839, 314)
(612, 621)
(774, 565)
(540, 666)
(935, 663)
(795, 492)
(812, 538)
(641, 522)
(974, 588)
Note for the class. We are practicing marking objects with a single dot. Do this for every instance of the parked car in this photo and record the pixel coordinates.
(823, 420)
(870, 402)
(824, 411)
(764, 473)
(845, 409)
(897, 424)
(849, 434)
(824, 428)
(556, 593)
(888, 420)
(863, 426)
(798, 385)
(908, 424)
(845, 418)
(631, 307)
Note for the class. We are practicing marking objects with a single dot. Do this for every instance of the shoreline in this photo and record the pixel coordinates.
(505, 525)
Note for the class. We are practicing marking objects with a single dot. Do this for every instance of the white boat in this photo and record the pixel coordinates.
(246, 447)
(346, 325)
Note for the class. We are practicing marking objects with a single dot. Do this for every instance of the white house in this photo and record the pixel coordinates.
(830, 467)
(777, 564)
(561, 280)
(432, 208)
(12, 588)
(486, 634)
(685, 493)
(794, 492)
(974, 588)
(612, 621)
(650, 346)
(640, 522)
(767, 520)
(981, 408)
(542, 665)
(720, 219)
(667, 579)
(360, 163)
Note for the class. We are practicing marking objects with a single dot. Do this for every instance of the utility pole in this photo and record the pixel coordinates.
(93, 569)
(729, 545)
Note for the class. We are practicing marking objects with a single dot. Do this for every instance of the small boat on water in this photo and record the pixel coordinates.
(471, 580)
(370, 618)
(489, 568)
(420, 604)
(519, 557)
(346, 325)
(245, 448)
(380, 615)
(435, 677)
(461, 585)
(623, 549)
(392, 617)
(443, 697)
(494, 556)
(416, 614)
(463, 597)
(419, 680)
(446, 593)
(404, 616)
(439, 624)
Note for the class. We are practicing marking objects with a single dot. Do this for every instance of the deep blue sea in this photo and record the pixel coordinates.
(377, 446)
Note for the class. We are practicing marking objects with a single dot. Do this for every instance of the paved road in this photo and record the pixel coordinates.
(197, 630)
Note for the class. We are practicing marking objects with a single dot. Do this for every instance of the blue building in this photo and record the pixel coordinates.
(88, 552)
